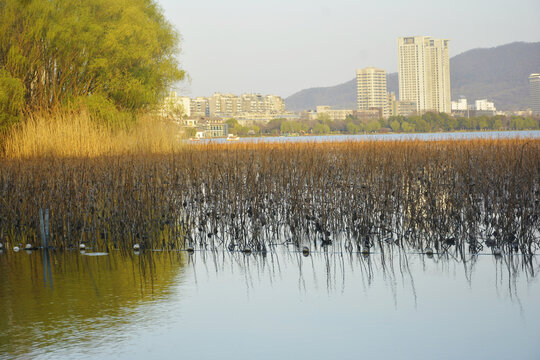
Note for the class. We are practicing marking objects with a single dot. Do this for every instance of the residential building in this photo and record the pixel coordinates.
(246, 105)
(213, 127)
(534, 87)
(334, 114)
(175, 107)
(392, 104)
(368, 115)
(460, 105)
(371, 90)
(484, 105)
(424, 73)
(200, 107)
(274, 104)
(224, 105)
(406, 108)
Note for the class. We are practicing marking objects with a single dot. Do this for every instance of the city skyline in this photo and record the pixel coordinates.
(281, 48)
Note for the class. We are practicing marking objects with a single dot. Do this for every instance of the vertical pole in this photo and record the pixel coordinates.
(47, 228)
(42, 229)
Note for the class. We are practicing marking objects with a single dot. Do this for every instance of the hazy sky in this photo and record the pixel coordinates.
(280, 47)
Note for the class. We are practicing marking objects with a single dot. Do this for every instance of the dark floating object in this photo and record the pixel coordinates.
(190, 249)
(490, 242)
(231, 247)
(429, 251)
(450, 241)
(246, 251)
(305, 251)
(365, 251)
(515, 247)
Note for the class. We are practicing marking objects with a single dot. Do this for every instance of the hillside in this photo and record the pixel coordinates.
(499, 74)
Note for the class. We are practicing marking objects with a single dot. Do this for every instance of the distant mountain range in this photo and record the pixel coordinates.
(499, 74)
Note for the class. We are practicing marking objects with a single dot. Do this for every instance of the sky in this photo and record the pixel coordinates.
(281, 47)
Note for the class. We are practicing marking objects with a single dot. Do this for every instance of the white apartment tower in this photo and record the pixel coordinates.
(424, 73)
(534, 84)
(371, 90)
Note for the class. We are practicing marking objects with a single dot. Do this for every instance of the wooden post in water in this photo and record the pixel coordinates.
(44, 228)
(47, 229)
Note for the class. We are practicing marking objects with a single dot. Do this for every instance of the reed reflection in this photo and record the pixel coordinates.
(396, 267)
(93, 297)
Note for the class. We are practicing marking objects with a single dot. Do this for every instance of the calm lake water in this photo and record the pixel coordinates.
(212, 305)
(419, 136)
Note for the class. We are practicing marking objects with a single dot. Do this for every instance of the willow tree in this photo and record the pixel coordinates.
(58, 50)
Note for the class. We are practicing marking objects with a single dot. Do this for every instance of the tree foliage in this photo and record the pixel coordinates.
(11, 99)
(61, 50)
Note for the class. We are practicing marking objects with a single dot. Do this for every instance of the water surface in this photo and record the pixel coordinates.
(283, 305)
(458, 135)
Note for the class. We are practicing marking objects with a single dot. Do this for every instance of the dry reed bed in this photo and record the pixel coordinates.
(446, 195)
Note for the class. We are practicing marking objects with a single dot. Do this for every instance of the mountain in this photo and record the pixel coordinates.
(499, 74)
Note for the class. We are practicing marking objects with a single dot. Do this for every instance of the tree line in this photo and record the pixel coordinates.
(428, 122)
(116, 55)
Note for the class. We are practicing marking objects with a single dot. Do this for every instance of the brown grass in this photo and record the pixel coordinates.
(452, 196)
(76, 134)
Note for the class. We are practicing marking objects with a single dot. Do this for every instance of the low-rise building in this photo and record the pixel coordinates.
(406, 108)
(460, 105)
(213, 128)
(368, 115)
(334, 114)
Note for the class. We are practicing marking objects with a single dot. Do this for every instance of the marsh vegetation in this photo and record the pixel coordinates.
(464, 196)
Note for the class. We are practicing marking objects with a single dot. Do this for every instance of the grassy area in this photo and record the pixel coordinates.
(78, 134)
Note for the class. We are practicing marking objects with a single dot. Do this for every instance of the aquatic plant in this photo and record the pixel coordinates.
(459, 196)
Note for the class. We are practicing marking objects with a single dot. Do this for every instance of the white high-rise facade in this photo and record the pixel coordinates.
(534, 83)
(371, 90)
(424, 73)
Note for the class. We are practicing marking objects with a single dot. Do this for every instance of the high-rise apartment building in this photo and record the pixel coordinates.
(534, 83)
(424, 73)
(371, 90)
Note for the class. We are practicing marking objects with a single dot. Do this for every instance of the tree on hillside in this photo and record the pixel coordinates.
(60, 50)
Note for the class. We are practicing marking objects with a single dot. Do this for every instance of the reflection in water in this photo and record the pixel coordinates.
(389, 263)
(127, 305)
(93, 298)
